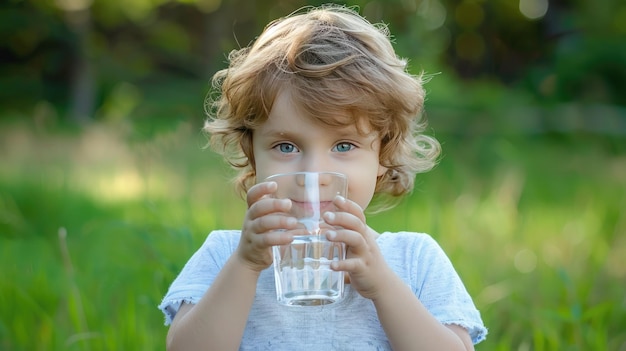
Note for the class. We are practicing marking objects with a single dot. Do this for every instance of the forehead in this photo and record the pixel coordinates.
(288, 109)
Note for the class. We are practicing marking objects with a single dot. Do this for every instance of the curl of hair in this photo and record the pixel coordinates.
(335, 63)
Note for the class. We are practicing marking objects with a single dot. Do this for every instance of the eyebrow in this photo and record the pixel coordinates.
(340, 132)
(278, 133)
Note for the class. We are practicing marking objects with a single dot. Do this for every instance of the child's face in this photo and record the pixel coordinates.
(290, 141)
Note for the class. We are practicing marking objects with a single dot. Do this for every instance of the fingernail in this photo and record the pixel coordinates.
(341, 199)
(330, 216)
(331, 234)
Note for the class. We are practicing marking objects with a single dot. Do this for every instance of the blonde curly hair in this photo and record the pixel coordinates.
(334, 62)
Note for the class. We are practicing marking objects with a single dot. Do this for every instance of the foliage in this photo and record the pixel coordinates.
(96, 219)
(74, 54)
(96, 223)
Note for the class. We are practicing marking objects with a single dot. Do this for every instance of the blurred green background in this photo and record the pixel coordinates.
(106, 189)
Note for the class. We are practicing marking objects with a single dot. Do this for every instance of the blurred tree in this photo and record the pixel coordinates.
(33, 54)
(73, 53)
(77, 15)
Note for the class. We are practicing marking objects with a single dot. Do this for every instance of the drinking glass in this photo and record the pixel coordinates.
(302, 268)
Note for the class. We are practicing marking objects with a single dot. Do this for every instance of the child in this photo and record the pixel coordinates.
(321, 90)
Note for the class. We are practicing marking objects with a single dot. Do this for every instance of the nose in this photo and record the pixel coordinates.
(321, 184)
(308, 179)
(319, 170)
(324, 179)
(316, 161)
(313, 179)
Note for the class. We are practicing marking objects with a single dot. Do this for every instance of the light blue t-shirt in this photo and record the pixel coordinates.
(350, 324)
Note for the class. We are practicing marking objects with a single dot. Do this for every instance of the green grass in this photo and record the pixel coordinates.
(95, 224)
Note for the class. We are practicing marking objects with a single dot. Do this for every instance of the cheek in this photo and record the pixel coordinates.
(262, 165)
(362, 193)
(265, 169)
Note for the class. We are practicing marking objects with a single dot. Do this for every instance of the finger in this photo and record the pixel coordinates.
(346, 205)
(272, 222)
(266, 206)
(273, 238)
(355, 242)
(346, 220)
(256, 192)
(349, 265)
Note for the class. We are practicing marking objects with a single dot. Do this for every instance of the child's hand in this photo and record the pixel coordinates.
(364, 261)
(264, 218)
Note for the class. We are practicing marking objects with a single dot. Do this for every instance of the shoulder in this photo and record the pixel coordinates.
(405, 240)
(412, 251)
(224, 234)
(217, 237)
(219, 242)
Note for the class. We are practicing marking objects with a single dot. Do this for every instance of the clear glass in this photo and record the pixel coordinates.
(302, 269)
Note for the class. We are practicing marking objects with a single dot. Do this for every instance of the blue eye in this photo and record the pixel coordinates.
(343, 147)
(286, 148)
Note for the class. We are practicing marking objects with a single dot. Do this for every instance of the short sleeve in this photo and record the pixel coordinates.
(199, 272)
(443, 293)
(423, 265)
